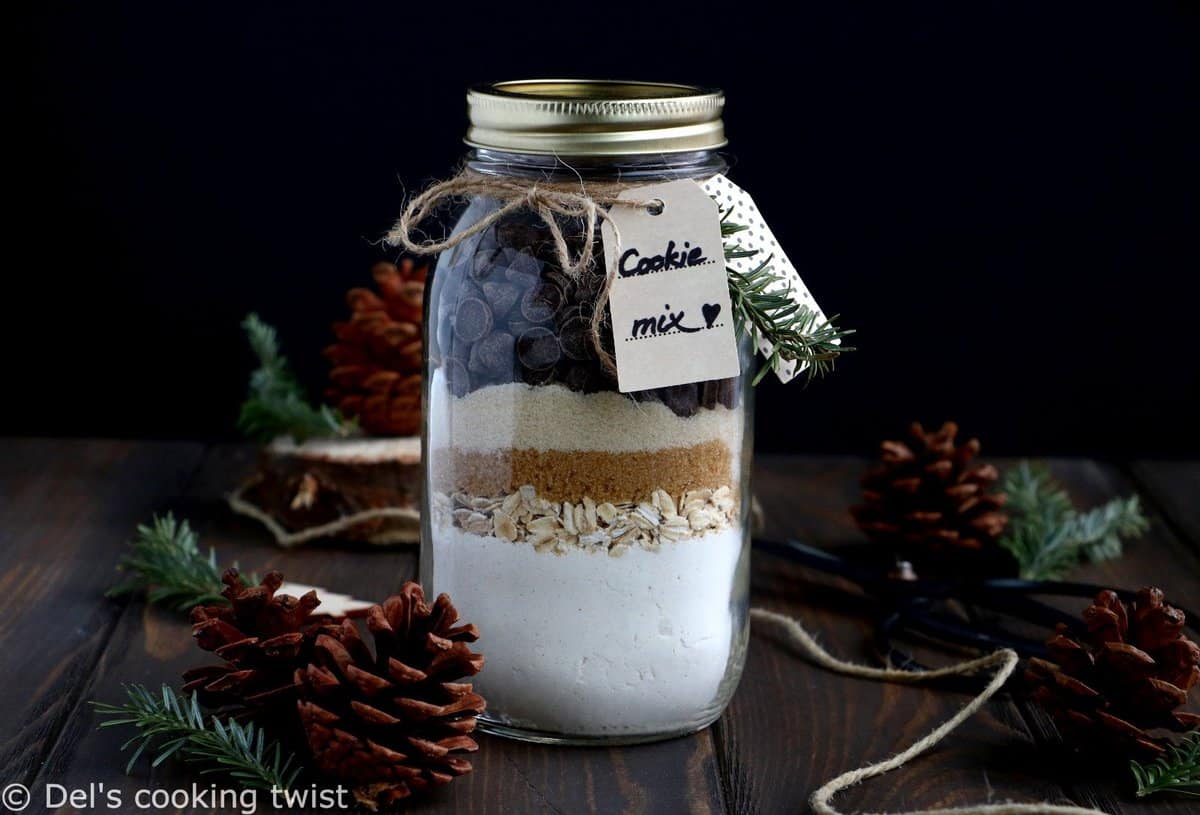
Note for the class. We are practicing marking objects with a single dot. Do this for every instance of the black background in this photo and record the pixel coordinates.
(1001, 197)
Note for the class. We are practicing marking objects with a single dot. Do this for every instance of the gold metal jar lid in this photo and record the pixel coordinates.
(594, 117)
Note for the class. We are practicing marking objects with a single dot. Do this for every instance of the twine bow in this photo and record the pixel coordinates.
(550, 201)
(547, 199)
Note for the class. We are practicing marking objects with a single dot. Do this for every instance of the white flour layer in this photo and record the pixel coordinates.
(586, 644)
(554, 417)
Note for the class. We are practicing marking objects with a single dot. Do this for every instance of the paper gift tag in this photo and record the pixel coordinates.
(759, 238)
(672, 321)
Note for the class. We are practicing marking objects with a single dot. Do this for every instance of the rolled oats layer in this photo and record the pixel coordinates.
(525, 517)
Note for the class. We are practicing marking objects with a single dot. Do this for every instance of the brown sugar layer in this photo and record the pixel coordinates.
(569, 475)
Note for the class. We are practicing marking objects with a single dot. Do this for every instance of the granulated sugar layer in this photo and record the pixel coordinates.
(553, 417)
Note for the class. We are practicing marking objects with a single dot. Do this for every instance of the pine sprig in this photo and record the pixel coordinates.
(1048, 536)
(276, 404)
(763, 307)
(1178, 771)
(165, 561)
(174, 724)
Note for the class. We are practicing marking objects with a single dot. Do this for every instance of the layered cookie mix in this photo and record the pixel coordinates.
(597, 536)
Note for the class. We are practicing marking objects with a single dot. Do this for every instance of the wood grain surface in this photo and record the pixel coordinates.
(67, 508)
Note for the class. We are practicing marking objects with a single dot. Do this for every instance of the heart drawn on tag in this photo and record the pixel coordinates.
(710, 311)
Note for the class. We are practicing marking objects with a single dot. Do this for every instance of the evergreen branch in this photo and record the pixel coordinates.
(1178, 771)
(275, 404)
(1048, 536)
(165, 561)
(763, 307)
(174, 725)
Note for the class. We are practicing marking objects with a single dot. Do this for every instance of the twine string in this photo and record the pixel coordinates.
(1003, 661)
(549, 201)
(242, 506)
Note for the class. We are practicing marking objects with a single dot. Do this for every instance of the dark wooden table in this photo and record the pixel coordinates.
(68, 507)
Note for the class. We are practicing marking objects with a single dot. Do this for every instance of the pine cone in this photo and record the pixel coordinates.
(376, 359)
(1125, 678)
(263, 638)
(932, 505)
(393, 722)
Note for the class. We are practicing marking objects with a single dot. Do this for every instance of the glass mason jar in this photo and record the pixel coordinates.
(599, 539)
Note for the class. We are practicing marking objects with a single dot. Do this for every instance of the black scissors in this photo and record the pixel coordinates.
(920, 606)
